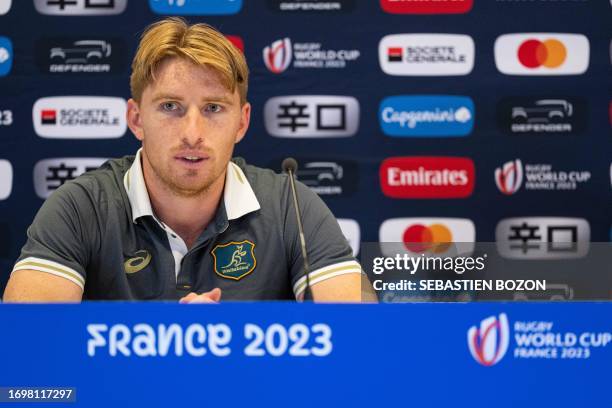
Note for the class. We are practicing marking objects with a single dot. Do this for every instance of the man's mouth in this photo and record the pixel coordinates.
(191, 157)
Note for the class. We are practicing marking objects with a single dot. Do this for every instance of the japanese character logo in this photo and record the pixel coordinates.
(234, 260)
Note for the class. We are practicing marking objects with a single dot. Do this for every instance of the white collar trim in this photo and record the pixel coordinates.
(238, 195)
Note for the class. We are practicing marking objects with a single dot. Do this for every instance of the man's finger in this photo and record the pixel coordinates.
(188, 298)
(212, 296)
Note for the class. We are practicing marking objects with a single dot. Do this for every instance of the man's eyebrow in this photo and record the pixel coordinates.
(210, 98)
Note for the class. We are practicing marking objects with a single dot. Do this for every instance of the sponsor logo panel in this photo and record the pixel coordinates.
(497, 337)
(6, 117)
(195, 7)
(303, 116)
(352, 233)
(80, 117)
(80, 7)
(284, 53)
(427, 177)
(6, 179)
(317, 6)
(537, 116)
(237, 41)
(542, 54)
(426, 115)
(514, 175)
(426, 54)
(50, 174)
(489, 342)
(326, 177)
(426, 6)
(542, 238)
(5, 6)
(80, 55)
(6, 56)
(430, 236)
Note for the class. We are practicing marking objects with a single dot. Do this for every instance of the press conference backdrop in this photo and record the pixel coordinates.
(489, 119)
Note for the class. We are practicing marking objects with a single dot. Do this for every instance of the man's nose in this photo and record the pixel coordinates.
(194, 127)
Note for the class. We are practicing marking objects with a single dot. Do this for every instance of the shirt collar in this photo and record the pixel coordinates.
(238, 196)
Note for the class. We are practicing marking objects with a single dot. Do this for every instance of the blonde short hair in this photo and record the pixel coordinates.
(199, 43)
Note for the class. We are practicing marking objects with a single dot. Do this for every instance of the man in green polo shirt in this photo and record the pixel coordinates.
(181, 219)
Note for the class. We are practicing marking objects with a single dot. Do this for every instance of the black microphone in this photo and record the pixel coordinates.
(290, 166)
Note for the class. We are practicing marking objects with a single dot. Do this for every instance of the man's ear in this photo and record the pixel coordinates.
(245, 119)
(134, 119)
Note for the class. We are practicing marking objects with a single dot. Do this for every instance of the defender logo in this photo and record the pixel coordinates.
(80, 55)
(234, 260)
(138, 262)
(536, 116)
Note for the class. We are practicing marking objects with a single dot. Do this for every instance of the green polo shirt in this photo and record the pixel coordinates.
(100, 232)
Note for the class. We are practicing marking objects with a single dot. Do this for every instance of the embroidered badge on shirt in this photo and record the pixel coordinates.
(138, 262)
(234, 260)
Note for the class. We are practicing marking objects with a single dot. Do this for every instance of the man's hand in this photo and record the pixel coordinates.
(214, 296)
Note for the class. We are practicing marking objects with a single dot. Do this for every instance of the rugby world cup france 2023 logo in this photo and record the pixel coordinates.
(489, 342)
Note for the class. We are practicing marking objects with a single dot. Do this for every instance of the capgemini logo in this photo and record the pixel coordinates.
(277, 56)
(489, 343)
(509, 177)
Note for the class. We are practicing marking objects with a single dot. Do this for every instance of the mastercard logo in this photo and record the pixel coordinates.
(435, 238)
(542, 54)
(550, 53)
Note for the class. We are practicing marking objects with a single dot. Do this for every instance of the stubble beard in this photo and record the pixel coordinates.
(171, 181)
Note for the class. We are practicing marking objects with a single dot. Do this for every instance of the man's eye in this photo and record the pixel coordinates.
(213, 107)
(169, 106)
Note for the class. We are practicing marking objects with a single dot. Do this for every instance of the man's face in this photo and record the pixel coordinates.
(188, 123)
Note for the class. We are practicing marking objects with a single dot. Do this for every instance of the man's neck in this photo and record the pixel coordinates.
(188, 216)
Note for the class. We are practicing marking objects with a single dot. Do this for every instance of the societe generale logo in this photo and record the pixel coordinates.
(489, 342)
(80, 117)
(278, 55)
(542, 54)
(509, 177)
(430, 236)
(6, 179)
(427, 177)
(426, 54)
(426, 6)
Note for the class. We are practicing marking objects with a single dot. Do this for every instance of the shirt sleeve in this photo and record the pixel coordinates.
(329, 253)
(57, 241)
